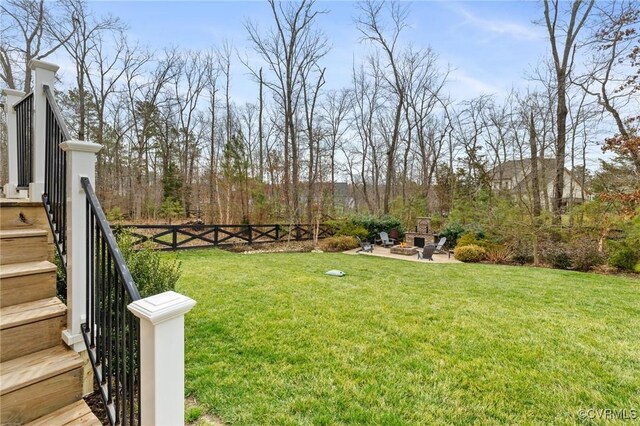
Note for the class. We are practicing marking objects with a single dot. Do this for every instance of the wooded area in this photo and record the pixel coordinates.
(392, 142)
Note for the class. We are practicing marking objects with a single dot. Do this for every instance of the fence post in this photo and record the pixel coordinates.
(162, 357)
(277, 232)
(44, 74)
(12, 97)
(81, 161)
(174, 237)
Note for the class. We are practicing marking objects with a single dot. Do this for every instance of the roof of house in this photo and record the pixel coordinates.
(512, 168)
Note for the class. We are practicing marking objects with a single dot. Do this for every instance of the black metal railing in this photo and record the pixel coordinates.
(24, 118)
(111, 332)
(55, 174)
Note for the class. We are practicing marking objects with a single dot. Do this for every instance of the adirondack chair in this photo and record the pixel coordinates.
(441, 243)
(366, 247)
(386, 241)
(427, 252)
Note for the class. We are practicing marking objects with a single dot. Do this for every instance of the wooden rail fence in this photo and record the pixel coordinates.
(180, 237)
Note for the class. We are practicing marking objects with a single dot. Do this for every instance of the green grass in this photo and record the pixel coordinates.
(273, 340)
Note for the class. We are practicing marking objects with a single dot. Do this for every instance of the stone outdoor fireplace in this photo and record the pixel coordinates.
(422, 234)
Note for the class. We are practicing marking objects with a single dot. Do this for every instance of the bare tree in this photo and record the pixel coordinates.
(371, 25)
(614, 75)
(578, 13)
(289, 49)
(336, 109)
(29, 31)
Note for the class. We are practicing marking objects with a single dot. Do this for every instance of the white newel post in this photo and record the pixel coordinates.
(44, 74)
(162, 357)
(81, 162)
(12, 97)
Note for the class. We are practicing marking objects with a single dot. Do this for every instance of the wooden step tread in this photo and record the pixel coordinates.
(26, 370)
(22, 233)
(19, 202)
(25, 313)
(77, 413)
(25, 268)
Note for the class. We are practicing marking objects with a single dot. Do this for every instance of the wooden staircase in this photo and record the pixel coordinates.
(41, 379)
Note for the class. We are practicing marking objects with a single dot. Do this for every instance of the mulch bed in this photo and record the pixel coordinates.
(279, 247)
(94, 401)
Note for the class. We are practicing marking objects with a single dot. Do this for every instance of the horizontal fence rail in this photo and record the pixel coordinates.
(55, 177)
(111, 332)
(24, 118)
(180, 237)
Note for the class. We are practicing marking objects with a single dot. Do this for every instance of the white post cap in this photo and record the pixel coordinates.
(37, 63)
(80, 146)
(13, 92)
(161, 307)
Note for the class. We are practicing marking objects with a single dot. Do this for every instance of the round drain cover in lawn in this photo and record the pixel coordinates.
(335, 273)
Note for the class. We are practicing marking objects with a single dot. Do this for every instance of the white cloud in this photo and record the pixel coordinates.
(465, 86)
(499, 27)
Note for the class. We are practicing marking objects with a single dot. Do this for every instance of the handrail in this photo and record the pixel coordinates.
(111, 332)
(55, 175)
(66, 135)
(22, 99)
(111, 242)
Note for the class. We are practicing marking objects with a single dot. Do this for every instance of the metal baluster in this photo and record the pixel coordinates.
(109, 332)
(116, 339)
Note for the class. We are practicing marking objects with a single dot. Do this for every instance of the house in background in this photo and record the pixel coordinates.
(515, 176)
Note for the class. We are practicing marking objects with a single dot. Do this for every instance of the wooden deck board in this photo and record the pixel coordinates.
(26, 268)
(22, 233)
(77, 413)
(25, 313)
(29, 369)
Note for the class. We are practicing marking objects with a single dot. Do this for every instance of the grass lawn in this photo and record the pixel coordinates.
(273, 340)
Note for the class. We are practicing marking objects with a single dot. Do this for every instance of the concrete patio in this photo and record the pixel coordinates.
(386, 252)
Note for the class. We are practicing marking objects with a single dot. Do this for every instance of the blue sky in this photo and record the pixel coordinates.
(489, 45)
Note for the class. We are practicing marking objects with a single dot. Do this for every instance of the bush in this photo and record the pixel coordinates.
(473, 238)
(152, 272)
(470, 253)
(500, 254)
(452, 233)
(624, 258)
(584, 254)
(350, 229)
(373, 225)
(115, 215)
(340, 243)
(557, 256)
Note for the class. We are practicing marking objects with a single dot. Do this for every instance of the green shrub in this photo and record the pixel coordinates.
(152, 272)
(473, 238)
(115, 215)
(372, 224)
(352, 230)
(338, 243)
(584, 254)
(557, 256)
(452, 232)
(522, 257)
(470, 253)
(624, 258)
